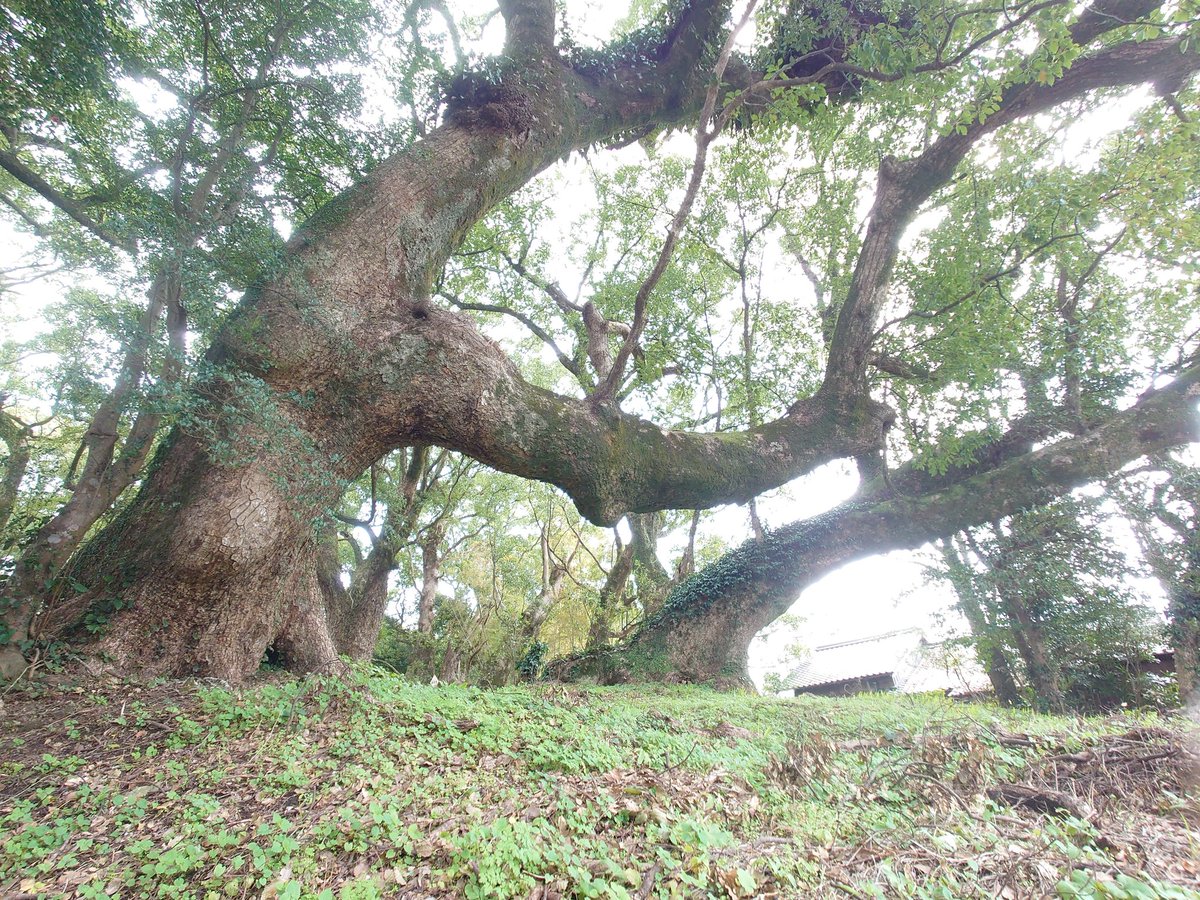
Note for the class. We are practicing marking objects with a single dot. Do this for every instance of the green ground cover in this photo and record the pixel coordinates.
(371, 786)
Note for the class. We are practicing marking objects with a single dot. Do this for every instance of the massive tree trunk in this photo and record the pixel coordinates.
(707, 624)
(207, 570)
(336, 357)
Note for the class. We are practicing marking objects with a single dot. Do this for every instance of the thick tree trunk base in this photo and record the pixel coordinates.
(209, 568)
(215, 630)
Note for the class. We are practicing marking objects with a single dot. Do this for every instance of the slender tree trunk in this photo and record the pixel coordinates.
(1183, 615)
(653, 582)
(1030, 639)
(14, 616)
(360, 633)
(611, 593)
(431, 544)
(686, 566)
(15, 435)
(355, 612)
(106, 474)
(554, 573)
(988, 647)
(1179, 575)
(451, 668)
(423, 658)
(1187, 661)
(1027, 632)
(995, 661)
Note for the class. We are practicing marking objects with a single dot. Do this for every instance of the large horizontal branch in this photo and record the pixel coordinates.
(609, 462)
(760, 581)
(1022, 436)
(707, 623)
(73, 208)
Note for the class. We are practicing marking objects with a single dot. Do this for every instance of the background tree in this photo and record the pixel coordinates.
(1050, 608)
(1164, 511)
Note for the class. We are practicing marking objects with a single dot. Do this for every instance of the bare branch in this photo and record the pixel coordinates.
(705, 135)
(541, 333)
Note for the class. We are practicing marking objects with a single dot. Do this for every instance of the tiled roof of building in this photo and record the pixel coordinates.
(914, 665)
(847, 660)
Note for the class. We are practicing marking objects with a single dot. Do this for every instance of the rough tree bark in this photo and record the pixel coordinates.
(708, 622)
(336, 357)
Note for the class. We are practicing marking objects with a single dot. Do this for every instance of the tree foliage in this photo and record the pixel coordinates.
(1047, 596)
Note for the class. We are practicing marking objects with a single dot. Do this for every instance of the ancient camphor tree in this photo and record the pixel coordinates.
(341, 349)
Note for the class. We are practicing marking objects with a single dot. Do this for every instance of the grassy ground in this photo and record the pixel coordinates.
(374, 787)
